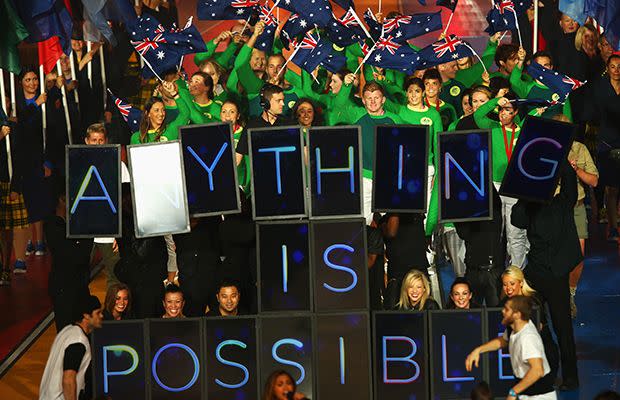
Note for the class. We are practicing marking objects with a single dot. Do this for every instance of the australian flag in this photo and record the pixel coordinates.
(304, 48)
(293, 28)
(373, 24)
(323, 55)
(161, 49)
(390, 54)
(607, 15)
(226, 9)
(265, 41)
(500, 21)
(405, 27)
(448, 49)
(318, 12)
(130, 114)
(559, 83)
(346, 30)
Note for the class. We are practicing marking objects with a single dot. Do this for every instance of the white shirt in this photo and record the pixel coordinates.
(524, 345)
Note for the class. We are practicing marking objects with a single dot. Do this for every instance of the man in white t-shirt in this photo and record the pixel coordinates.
(527, 353)
(64, 375)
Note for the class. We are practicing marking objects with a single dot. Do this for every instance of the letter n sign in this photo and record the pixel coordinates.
(210, 170)
(93, 191)
(533, 170)
(464, 176)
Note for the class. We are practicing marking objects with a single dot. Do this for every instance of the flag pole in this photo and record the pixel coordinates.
(89, 67)
(477, 56)
(73, 78)
(359, 22)
(13, 102)
(7, 139)
(150, 66)
(519, 30)
(445, 31)
(43, 106)
(103, 79)
(290, 57)
(535, 45)
(65, 105)
(366, 57)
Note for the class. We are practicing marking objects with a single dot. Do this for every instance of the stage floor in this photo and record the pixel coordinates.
(596, 327)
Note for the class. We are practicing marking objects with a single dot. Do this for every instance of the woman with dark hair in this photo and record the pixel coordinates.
(34, 156)
(117, 304)
(173, 302)
(307, 114)
(279, 385)
(152, 126)
(461, 295)
(199, 97)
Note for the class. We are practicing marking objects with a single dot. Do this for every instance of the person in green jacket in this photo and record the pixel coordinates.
(418, 113)
(432, 90)
(332, 115)
(368, 117)
(533, 89)
(217, 73)
(200, 87)
(504, 135)
(152, 126)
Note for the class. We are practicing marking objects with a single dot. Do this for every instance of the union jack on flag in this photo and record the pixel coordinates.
(244, 3)
(388, 44)
(448, 44)
(506, 5)
(130, 114)
(393, 23)
(143, 46)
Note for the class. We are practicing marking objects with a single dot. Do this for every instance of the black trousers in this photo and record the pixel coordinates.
(485, 284)
(555, 292)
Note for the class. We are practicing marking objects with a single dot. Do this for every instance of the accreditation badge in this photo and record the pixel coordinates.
(426, 121)
(455, 91)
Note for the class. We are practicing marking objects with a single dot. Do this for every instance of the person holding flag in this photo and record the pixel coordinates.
(152, 125)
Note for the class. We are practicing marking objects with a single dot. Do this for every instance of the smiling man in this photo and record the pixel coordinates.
(228, 296)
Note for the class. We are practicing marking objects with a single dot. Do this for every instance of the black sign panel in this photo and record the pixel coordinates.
(175, 354)
(210, 169)
(449, 347)
(283, 266)
(400, 355)
(401, 167)
(501, 377)
(465, 176)
(286, 343)
(343, 356)
(119, 361)
(533, 170)
(158, 189)
(340, 258)
(231, 358)
(278, 173)
(93, 191)
(335, 172)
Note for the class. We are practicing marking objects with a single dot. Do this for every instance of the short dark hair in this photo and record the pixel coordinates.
(497, 83)
(523, 305)
(228, 283)
(372, 86)
(85, 305)
(269, 89)
(318, 113)
(505, 52)
(431, 73)
(412, 80)
(542, 53)
(25, 70)
(172, 288)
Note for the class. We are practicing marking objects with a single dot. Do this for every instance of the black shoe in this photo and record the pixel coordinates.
(569, 385)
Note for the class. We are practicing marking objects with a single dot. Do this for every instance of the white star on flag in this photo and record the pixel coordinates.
(378, 58)
(161, 55)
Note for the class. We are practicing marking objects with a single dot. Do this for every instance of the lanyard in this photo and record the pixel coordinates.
(428, 104)
(507, 145)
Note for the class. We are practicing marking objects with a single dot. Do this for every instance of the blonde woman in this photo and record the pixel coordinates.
(415, 293)
(514, 283)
